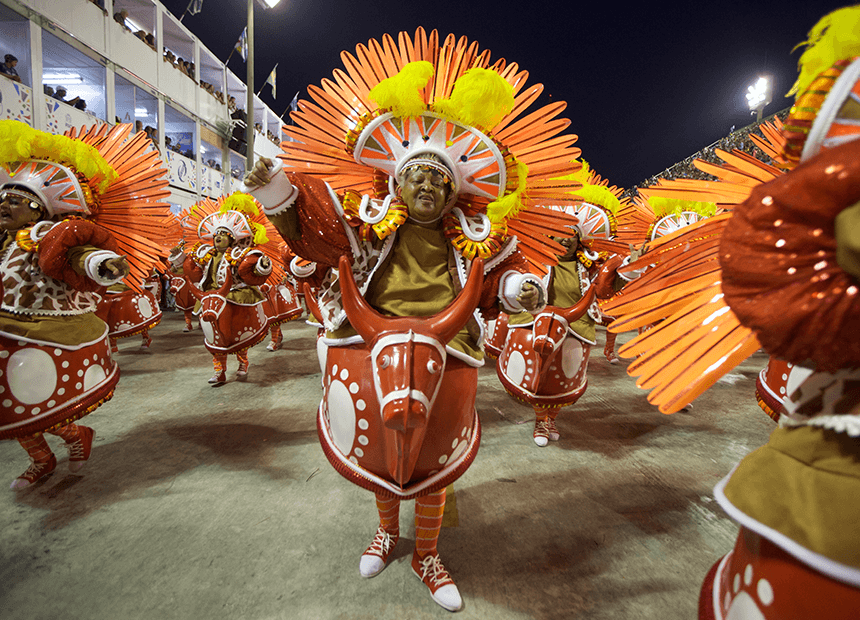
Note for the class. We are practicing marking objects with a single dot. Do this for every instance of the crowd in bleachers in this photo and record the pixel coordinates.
(738, 139)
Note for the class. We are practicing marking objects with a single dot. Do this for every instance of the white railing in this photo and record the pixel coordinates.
(16, 101)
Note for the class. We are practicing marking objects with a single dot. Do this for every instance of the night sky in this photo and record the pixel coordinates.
(645, 86)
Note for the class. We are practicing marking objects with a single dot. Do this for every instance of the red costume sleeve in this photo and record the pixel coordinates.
(191, 269)
(780, 273)
(489, 302)
(246, 270)
(312, 227)
(54, 251)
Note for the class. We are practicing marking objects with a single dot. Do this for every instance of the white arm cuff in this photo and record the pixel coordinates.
(176, 260)
(630, 274)
(277, 195)
(263, 272)
(94, 261)
(510, 287)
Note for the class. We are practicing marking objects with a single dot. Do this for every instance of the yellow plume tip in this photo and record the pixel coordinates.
(480, 98)
(402, 93)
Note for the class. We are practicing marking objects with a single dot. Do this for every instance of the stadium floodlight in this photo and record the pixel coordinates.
(759, 95)
(268, 4)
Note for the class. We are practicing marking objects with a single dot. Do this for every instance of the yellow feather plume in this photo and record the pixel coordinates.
(836, 36)
(667, 206)
(259, 233)
(243, 203)
(480, 98)
(19, 142)
(402, 92)
(510, 204)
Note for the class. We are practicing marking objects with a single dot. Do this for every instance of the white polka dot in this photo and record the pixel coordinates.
(765, 591)
(353, 388)
(360, 405)
(65, 378)
(81, 373)
(7, 403)
(19, 409)
(748, 574)
(65, 364)
(353, 460)
(736, 583)
(58, 352)
(4, 354)
(32, 375)
(95, 375)
(78, 386)
(785, 377)
(51, 403)
(2, 389)
(443, 459)
(727, 600)
(363, 440)
(342, 416)
(344, 374)
(35, 411)
(61, 391)
(465, 431)
(363, 424)
(86, 362)
(95, 357)
(359, 452)
(454, 443)
(334, 369)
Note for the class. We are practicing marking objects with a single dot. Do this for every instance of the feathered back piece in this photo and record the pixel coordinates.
(262, 234)
(395, 99)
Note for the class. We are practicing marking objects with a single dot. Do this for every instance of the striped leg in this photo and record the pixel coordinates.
(426, 563)
(609, 349)
(188, 325)
(220, 376)
(373, 560)
(242, 373)
(79, 441)
(277, 338)
(43, 461)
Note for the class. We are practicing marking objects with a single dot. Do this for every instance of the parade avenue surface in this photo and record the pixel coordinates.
(218, 503)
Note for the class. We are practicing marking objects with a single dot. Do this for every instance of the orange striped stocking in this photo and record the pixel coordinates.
(220, 363)
(36, 447)
(389, 514)
(243, 360)
(609, 349)
(69, 433)
(428, 522)
(277, 334)
(188, 319)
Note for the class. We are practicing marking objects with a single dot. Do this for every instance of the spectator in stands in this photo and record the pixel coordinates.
(48, 90)
(8, 68)
(121, 17)
(81, 105)
(60, 93)
(138, 126)
(150, 40)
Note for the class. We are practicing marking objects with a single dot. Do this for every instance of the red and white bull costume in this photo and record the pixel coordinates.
(55, 359)
(786, 278)
(347, 207)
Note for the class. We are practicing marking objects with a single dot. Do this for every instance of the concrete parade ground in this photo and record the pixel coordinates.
(218, 503)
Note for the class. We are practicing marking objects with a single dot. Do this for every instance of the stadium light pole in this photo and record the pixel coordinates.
(759, 95)
(249, 80)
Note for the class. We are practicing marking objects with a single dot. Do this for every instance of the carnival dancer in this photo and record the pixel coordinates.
(233, 267)
(784, 276)
(397, 212)
(283, 303)
(544, 361)
(60, 198)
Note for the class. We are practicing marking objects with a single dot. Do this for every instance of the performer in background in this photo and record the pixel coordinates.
(396, 215)
(55, 360)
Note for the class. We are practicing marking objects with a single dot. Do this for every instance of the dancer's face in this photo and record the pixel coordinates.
(16, 212)
(222, 240)
(425, 193)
